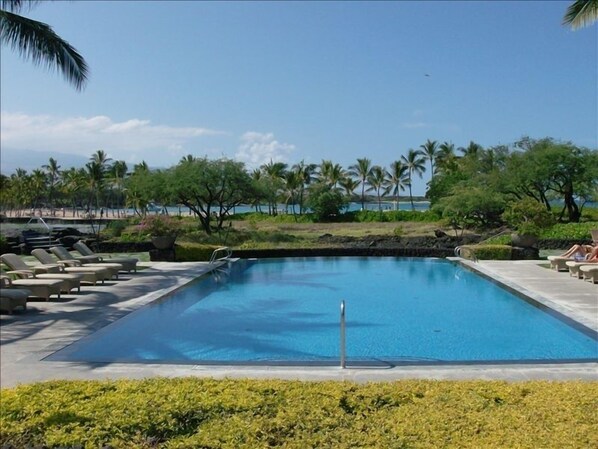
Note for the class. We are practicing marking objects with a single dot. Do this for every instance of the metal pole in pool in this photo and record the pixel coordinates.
(343, 364)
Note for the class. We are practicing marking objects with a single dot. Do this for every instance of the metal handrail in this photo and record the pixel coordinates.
(342, 339)
(48, 228)
(223, 249)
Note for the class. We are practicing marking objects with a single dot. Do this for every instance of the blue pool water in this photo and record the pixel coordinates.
(287, 311)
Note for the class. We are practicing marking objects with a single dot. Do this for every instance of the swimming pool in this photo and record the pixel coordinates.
(286, 311)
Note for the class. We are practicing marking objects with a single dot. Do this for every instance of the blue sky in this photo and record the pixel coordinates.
(299, 80)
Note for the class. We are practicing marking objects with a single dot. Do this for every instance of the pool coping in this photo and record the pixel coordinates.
(27, 339)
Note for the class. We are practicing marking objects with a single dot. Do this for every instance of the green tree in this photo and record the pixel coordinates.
(429, 151)
(396, 180)
(581, 13)
(53, 172)
(325, 201)
(38, 42)
(331, 173)
(376, 181)
(415, 165)
(207, 186)
(361, 171)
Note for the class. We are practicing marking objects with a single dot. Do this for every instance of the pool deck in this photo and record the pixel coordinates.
(26, 338)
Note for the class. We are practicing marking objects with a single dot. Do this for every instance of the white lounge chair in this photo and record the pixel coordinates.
(90, 274)
(68, 258)
(128, 263)
(10, 297)
(24, 271)
(590, 272)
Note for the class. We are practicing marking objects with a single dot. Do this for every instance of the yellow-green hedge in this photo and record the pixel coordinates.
(207, 413)
(193, 252)
(487, 252)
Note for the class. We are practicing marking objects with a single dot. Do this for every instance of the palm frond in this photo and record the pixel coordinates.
(581, 13)
(18, 5)
(37, 41)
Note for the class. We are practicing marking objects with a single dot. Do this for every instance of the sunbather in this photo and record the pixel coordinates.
(578, 251)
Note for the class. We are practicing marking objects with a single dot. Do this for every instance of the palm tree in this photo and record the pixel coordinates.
(446, 160)
(53, 171)
(362, 171)
(38, 184)
(274, 173)
(37, 41)
(330, 173)
(397, 179)
(376, 181)
(186, 159)
(472, 149)
(415, 165)
(430, 150)
(305, 172)
(349, 185)
(72, 183)
(292, 183)
(581, 13)
(117, 174)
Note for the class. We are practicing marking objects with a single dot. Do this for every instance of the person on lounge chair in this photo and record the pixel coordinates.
(578, 251)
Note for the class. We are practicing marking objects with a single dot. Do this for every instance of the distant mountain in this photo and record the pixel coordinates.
(11, 159)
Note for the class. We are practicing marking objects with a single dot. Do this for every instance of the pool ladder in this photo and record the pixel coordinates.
(222, 250)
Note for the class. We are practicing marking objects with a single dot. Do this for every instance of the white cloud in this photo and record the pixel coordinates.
(260, 148)
(131, 140)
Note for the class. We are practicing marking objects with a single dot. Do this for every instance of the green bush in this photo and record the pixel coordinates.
(193, 252)
(368, 216)
(115, 228)
(208, 413)
(570, 231)
(487, 252)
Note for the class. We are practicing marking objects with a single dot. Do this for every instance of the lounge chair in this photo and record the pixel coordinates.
(574, 268)
(559, 263)
(594, 233)
(128, 263)
(12, 297)
(90, 274)
(22, 270)
(590, 272)
(40, 288)
(68, 258)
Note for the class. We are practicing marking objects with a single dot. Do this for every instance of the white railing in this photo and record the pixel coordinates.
(224, 250)
(48, 228)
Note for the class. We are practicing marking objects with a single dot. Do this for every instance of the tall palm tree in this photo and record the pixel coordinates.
(396, 180)
(415, 165)
(306, 173)
(362, 171)
(376, 181)
(446, 160)
(117, 174)
(38, 42)
(330, 173)
(72, 183)
(581, 13)
(274, 173)
(429, 150)
(53, 171)
(38, 184)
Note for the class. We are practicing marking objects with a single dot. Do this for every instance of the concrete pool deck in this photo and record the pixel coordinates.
(26, 338)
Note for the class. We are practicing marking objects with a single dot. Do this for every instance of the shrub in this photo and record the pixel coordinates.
(570, 231)
(487, 252)
(191, 412)
(115, 228)
(160, 225)
(193, 252)
(528, 216)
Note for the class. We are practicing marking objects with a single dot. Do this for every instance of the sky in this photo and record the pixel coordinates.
(293, 81)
